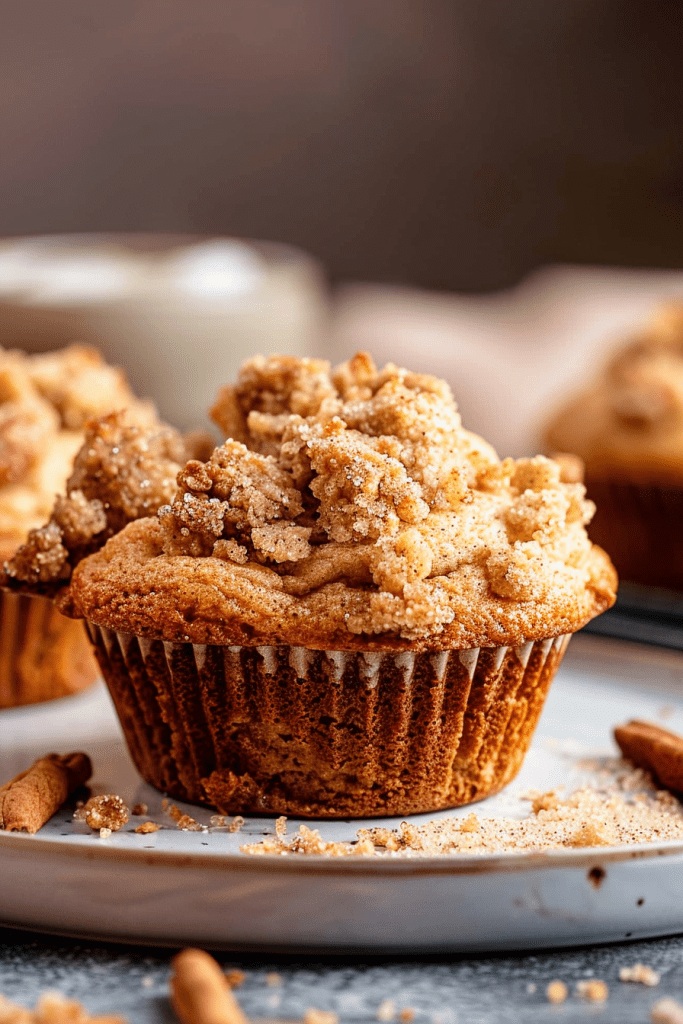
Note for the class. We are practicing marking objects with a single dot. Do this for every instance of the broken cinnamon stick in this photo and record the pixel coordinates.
(200, 992)
(657, 750)
(33, 796)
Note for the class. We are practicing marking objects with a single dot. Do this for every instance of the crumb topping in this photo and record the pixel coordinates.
(354, 498)
(45, 402)
(121, 472)
(628, 423)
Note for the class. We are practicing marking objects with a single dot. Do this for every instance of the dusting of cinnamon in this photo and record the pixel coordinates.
(627, 809)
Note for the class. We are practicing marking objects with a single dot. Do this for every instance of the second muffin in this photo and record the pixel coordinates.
(627, 427)
(45, 401)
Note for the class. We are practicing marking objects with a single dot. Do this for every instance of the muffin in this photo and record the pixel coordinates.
(352, 607)
(627, 427)
(45, 401)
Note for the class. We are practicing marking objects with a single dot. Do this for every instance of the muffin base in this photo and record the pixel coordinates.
(640, 527)
(325, 734)
(43, 655)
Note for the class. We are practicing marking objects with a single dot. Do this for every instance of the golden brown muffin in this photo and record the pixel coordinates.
(45, 401)
(627, 427)
(352, 607)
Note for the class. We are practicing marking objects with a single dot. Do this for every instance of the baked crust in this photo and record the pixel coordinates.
(130, 586)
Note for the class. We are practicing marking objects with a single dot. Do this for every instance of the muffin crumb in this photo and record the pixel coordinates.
(556, 992)
(184, 822)
(313, 1016)
(639, 973)
(666, 1011)
(594, 991)
(146, 827)
(52, 1008)
(107, 812)
(235, 977)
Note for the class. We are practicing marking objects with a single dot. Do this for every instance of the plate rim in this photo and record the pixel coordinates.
(437, 864)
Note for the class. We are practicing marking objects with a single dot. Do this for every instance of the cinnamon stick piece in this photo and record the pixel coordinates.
(30, 799)
(657, 750)
(200, 992)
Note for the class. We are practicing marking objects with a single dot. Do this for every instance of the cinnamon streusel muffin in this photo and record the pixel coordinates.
(352, 607)
(45, 401)
(627, 427)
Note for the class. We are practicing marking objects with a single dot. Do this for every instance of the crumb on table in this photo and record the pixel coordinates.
(640, 973)
(556, 992)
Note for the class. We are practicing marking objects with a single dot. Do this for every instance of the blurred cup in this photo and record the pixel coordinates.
(179, 313)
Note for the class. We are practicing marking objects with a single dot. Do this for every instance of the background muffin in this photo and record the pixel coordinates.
(352, 607)
(627, 427)
(45, 401)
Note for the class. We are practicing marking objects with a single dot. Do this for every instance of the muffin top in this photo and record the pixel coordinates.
(45, 401)
(350, 509)
(627, 425)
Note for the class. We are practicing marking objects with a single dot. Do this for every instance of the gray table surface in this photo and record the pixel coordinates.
(441, 989)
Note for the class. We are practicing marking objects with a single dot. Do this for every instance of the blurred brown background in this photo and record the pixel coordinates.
(448, 143)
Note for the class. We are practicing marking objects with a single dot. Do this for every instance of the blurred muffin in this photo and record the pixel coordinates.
(353, 607)
(627, 427)
(45, 401)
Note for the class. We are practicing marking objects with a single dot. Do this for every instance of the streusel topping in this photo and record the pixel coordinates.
(45, 402)
(347, 505)
(628, 422)
(121, 472)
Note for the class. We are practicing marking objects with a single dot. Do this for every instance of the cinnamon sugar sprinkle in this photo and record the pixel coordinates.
(625, 809)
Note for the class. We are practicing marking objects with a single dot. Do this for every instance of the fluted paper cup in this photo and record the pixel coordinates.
(287, 730)
(43, 655)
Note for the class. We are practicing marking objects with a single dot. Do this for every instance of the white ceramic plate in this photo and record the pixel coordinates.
(174, 887)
